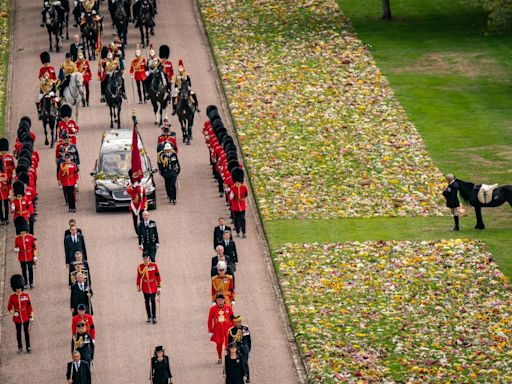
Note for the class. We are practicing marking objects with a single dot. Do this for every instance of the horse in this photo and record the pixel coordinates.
(49, 116)
(469, 193)
(158, 93)
(90, 30)
(64, 17)
(53, 25)
(114, 97)
(185, 111)
(146, 23)
(121, 19)
(74, 92)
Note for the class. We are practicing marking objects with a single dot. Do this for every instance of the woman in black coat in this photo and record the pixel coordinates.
(233, 366)
(160, 368)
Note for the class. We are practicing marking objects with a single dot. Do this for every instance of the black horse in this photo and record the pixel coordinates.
(49, 117)
(185, 111)
(469, 193)
(114, 97)
(63, 12)
(146, 23)
(52, 23)
(158, 93)
(90, 29)
(121, 18)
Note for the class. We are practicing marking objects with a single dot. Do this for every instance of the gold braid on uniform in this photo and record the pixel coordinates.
(237, 336)
(163, 159)
(78, 342)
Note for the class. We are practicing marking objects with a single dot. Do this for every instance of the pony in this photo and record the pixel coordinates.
(158, 93)
(74, 92)
(53, 25)
(114, 98)
(49, 117)
(90, 30)
(469, 193)
(185, 111)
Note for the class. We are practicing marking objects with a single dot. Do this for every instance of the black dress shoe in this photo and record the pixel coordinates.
(148, 320)
(154, 320)
(29, 349)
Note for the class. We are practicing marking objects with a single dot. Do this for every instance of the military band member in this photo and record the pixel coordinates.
(88, 320)
(20, 307)
(237, 195)
(25, 247)
(78, 371)
(139, 201)
(452, 199)
(148, 236)
(182, 76)
(223, 284)
(241, 335)
(219, 323)
(138, 72)
(67, 68)
(83, 66)
(149, 281)
(169, 167)
(81, 293)
(68, 179)
(67, 124)
(82, 342)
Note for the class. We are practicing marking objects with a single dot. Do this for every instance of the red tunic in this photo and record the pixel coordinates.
(30, 195)
(84, 67)
(25, 245)
(139, 198)
(138, 69)
(48, 68)
(237, 196)
(68, 174)
(20, 307)
(162, 139)
(148, 278)
(88, 320)
(219, 322)
(9, 164)
(71, 128)
(19, 207)
(5, 187)
(102, 74)
(167, 64)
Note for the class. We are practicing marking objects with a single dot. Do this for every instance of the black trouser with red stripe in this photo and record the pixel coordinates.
(149, 298)
(69, 194)
(26, 330)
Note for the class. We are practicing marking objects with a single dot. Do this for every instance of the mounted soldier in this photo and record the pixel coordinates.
(83, 66)
(102, 74)
(182, 76)
(166, 65)
(152, 64)
(67, 68)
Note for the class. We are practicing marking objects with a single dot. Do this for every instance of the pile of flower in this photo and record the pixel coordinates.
(322, 133)
(4, 56)
(399, 311)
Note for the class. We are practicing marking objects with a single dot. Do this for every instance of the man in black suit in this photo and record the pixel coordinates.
(72, 243)
(75, 47)
(220, 256)
(218, 232)
(78, 372)
(452, 199)
(67, 232)
(148, 236)
(81, 293)
(229, 247)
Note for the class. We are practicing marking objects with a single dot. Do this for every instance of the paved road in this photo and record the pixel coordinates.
(124, 340)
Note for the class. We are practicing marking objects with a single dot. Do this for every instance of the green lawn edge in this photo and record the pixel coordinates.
(5, 31)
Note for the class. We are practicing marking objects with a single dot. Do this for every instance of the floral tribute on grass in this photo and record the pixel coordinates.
(322, 133)
(399, 311)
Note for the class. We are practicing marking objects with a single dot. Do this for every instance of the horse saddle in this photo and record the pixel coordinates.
(485, 193)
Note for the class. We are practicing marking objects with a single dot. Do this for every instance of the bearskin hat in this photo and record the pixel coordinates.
(2, 167)
(220, 131)
(17, 282)
(26, 120)
(214, 116)
(237, 174)
(21, 167)
(221, 137)
(233, 164)
(18, 188)
(227, 141)
(164, 52)
(24, 177)
(65, 111)
(232, 156)
(45, 57)
(21, 224)
(4, 144)
(209, 109)
(104, 52)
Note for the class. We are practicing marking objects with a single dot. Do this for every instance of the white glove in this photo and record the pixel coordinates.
(35, 258)
(213, 304)
(158, 290)
(76, 185)
(141, 247)
(93, 341)
(16, 249)
(233, 302)
(210, 334)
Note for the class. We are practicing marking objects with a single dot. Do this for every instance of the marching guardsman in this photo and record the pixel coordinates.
(19, 203)
(67, 124)
(167, 136)
(237, 195)
(182, 76)
(30, 195)
(219, 323)
(46, 67)
(452, 199)
(68, 179)
(139, 201)
(166, 64)
(169, 167)
(83, 66)
(83, 317)
(5, 192)
(25, 247)
(67, 68)
(138, 72)
(20, 307)
(82, 342)
(223, 284)
(148, 236)
(241, 335)
(149, 281)
(7, 158)
(102, 73)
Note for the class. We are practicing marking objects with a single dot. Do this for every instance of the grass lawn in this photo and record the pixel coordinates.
(4, 59)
